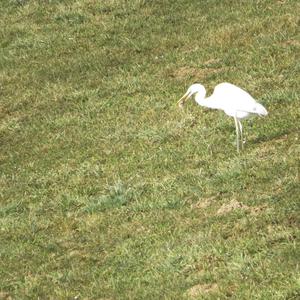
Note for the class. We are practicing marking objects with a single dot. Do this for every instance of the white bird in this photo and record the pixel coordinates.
(234, 101)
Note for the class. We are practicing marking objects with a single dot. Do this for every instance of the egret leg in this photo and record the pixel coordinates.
(237, 134)
(241, 131)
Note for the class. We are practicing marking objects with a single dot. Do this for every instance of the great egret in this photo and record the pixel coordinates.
(234, 101)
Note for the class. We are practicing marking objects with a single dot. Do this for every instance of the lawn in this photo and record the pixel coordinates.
(108, 190)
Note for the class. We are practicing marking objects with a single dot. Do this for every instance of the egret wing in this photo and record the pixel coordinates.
(233, 98)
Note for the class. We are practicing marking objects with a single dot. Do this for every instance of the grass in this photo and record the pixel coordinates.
(108, 190)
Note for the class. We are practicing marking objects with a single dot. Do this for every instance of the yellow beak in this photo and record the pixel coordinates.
(183, 99)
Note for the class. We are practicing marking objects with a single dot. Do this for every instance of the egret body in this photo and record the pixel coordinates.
(234, 101)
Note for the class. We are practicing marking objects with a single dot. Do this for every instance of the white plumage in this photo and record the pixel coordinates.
(234, 101)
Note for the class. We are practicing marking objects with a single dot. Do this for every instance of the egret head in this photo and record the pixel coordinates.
(195, 88)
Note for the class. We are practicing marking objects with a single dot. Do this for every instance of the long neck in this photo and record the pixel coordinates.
(207, 102)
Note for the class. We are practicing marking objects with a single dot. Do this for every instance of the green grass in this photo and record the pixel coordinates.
(108, 190)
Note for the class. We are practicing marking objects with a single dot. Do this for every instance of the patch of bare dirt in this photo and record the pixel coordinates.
(235, 205)
(292, 43)
(5, 296)
(257, 209)
(191, 72)
(212, 61)
(203, 203)
(199, 289)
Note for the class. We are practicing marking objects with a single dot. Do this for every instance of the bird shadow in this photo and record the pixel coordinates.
(272, 136)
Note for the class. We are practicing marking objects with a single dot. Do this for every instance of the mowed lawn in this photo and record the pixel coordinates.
(110, 191)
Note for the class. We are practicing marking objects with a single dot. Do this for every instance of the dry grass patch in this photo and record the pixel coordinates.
(292, 43)
(196, 74)
(5, 296)
(200, 289)
(234, 205)
(203, 203)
